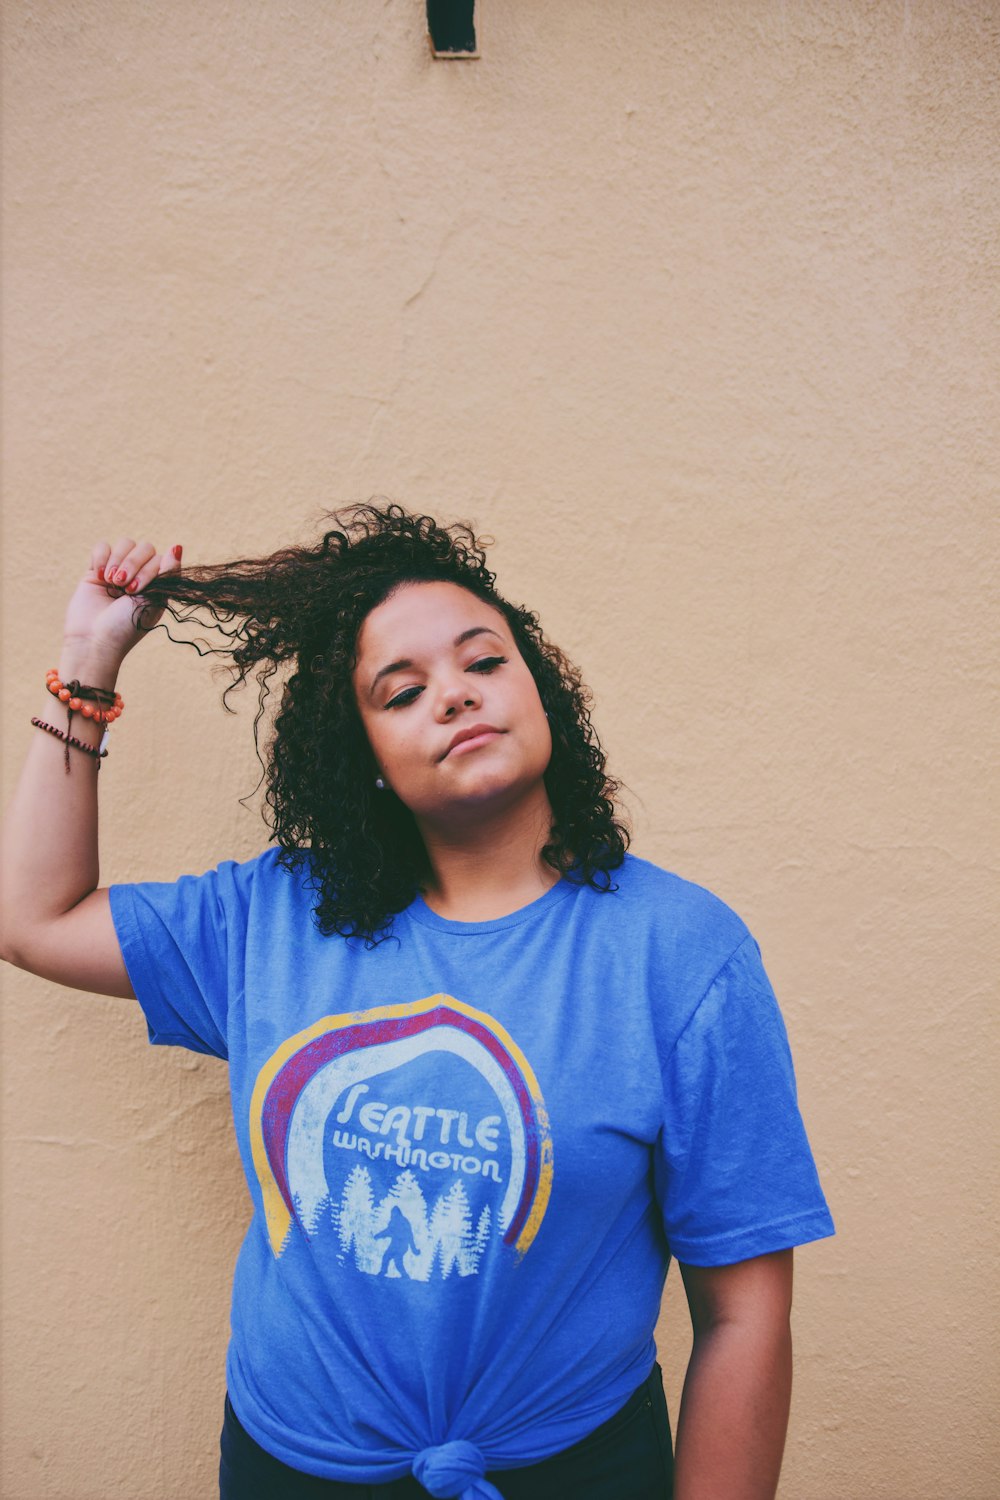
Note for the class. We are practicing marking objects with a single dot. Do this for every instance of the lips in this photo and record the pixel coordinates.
(481, 732)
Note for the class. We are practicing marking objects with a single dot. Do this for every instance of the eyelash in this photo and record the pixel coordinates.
(485, 665)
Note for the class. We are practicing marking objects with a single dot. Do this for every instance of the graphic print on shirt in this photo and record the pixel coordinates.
(412, 1137)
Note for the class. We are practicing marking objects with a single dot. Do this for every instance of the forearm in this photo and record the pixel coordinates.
(48, 850)
(734, 1412)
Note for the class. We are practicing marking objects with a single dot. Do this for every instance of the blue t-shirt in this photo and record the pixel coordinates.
(471, 1152)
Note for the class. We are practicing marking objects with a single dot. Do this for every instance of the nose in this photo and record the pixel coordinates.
(456, 695)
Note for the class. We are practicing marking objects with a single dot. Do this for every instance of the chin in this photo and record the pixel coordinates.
(484, 794)
(502, 792)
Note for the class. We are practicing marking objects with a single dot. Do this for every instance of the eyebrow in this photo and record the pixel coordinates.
(405, 661)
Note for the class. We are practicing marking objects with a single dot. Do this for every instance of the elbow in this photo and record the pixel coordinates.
(19, 942)
(11, 935)
(7, 944)
(11, 952)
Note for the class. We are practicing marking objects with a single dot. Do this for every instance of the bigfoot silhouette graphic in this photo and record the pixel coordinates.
(400, 1237)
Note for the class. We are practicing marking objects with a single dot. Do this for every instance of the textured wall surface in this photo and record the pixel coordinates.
(693, 306)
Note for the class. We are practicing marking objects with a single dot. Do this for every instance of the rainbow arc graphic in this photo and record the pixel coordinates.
(302, 1083)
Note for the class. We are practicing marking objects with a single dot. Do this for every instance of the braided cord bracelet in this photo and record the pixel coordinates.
(71, 739)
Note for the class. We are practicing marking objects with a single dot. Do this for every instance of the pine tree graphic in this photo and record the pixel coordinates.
(434, 1261)
(406, 1192)
(451, 1228)
(355, 1221)
(316, 1219)
(482, 1239)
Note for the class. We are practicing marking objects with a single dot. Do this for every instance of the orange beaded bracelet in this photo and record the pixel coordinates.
(99, 704)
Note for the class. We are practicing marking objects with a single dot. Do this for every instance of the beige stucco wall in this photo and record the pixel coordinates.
(692, 305)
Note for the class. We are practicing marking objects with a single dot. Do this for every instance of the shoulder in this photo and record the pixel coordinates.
(671, 936)
(243, 876)
(272, 879)
(230, 883)
(670, 903)
(711, 1002)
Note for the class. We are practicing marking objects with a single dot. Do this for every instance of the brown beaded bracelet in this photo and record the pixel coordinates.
(71, 739)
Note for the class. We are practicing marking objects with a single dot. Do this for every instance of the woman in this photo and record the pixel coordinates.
(488, 1070)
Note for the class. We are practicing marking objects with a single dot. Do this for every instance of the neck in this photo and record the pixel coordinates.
(492, 867)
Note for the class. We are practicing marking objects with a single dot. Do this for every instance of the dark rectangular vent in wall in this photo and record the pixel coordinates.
(452, 26)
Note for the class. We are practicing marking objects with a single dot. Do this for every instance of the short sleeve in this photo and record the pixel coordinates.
(184, 946)
(734, 1173)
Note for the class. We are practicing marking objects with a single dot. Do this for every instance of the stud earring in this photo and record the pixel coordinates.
(379, 784)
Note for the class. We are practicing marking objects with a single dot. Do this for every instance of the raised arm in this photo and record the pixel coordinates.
(734, 1410)
(54, 919)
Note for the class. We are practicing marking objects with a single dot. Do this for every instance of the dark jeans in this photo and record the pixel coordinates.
(629, 1457)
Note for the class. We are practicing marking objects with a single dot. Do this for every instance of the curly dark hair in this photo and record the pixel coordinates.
(361, 848)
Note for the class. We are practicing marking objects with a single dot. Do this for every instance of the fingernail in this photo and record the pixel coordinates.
(131, 588)
(100, 574)
(121, 576)
(177, 551)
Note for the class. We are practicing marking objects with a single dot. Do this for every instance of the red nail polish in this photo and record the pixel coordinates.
(131, 588)
(121, 576)
(177, 551)
(100, 575)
